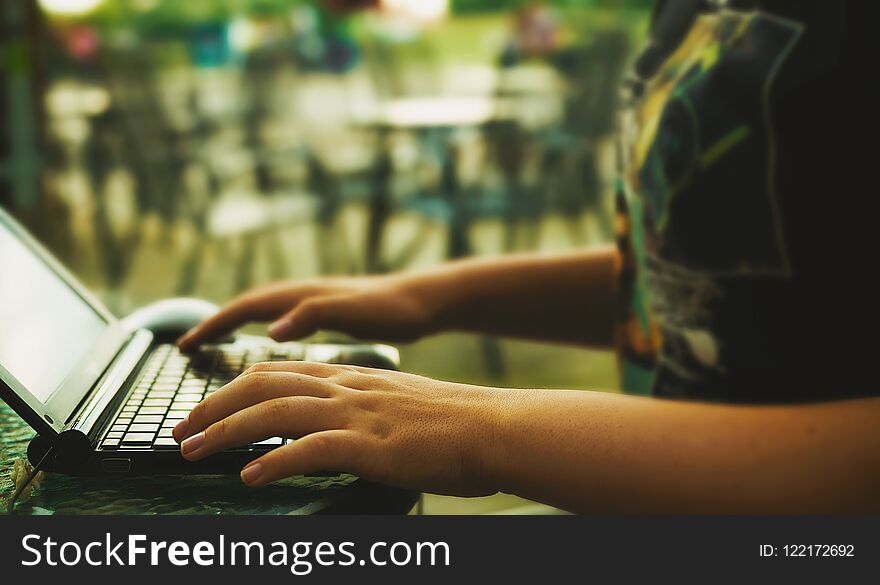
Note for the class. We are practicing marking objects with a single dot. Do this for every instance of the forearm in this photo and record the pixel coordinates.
(596, 452)
(568, 298)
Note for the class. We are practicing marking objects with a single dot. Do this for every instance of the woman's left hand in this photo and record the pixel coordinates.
(395, 428)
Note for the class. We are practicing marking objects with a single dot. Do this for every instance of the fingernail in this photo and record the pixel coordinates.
(251, 473)
(278, 327)
(179, 431)
(192, 443)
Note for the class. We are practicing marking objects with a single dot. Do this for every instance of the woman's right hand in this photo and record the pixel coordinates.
(380, 308)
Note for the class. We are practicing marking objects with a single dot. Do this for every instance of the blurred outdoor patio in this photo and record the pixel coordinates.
(164, 148)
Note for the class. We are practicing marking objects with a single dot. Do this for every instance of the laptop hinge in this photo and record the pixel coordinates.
(87, 419)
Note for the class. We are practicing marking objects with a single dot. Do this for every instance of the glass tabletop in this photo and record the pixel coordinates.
(155, 494)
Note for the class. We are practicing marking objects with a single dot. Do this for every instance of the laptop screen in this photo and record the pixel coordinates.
(45, 327)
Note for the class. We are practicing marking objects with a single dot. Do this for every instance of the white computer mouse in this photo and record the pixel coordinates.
(170, 316)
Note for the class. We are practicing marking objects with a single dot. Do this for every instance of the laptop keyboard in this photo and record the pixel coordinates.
(170, 385)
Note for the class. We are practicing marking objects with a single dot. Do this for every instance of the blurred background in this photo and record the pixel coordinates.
(201, 147)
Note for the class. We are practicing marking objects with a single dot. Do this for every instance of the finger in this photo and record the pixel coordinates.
(282, 417)
(342, 375)
(337, 378)
(262, 305)
(330, 451)
(343, 313)
(316, 369)
(247, 390)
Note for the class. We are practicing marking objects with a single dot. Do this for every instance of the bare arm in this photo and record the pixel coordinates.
(554, 298)
(601, 452)
(583, 451)
(564, 298)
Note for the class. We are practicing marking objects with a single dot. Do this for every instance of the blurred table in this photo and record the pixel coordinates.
(435, 112)
(165, 494)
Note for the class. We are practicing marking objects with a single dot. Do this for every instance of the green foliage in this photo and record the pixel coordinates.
(473, 6)
(173, 16)
(187, 12)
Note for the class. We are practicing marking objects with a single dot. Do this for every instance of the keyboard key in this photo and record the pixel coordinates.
(166, 432)
(193, 385)
(166, 443)
(188, 398)
(144, 428)
(259, 354)
(115, 434)
(148, 418)
(152, 410)
(137, 439)
(157, 402)
(119, 428)
(161, 394)
(294, 352)
(110, 443)
(271, 441)
(166, 386)
(187, 406)
(176, 415)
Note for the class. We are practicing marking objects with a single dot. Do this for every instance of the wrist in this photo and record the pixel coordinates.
(493, 460)
(437, 293)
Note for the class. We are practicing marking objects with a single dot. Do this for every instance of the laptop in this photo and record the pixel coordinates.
(103, 394)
